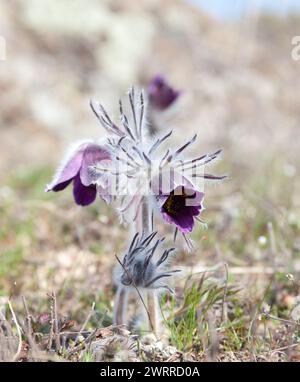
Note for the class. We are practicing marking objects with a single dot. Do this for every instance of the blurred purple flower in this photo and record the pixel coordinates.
(161, 94)
(76, 169)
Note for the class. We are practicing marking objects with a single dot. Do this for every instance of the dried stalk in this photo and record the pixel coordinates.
(54, 331)
(85, 322)
(224, 304)
(18, 352)
(29, 331)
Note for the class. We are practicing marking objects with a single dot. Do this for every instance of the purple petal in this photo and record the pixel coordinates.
(185, 223)
(195, 210)
(83, 195)
(61, 186)
(168, 218)
(69, 170)
(93, 154)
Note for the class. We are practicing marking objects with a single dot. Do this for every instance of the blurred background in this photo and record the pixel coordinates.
(240, 91)
(233, 61)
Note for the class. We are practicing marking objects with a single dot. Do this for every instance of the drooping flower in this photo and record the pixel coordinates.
(161, 94)
(76, 170)
(181, 205)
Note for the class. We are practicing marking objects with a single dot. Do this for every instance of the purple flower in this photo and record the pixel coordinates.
(76, 169)
(178, 200)
(181, 206)
(161, 94)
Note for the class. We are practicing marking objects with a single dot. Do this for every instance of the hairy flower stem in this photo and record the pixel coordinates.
(152, 304)
(143, 224)
(120, 306)
(146, 228)
(146, 217)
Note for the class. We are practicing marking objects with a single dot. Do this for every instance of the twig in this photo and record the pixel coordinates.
(28, 330)
(87, 339)
(54, 331)
(28, 316)
(78, 347)
(284, 321)
(283, 348)
(224, 304)
(86, 321)
(17, 354)
(51, 333)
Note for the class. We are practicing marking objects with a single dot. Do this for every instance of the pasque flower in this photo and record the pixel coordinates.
(129, 169)
(181, 207)
(161, 94)
(179, 201)
(76, 170)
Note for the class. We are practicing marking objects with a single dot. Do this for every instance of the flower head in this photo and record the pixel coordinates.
(179, 201)
(161, 94)
(142, 268)
(181, 206)
(76, 170)
(138, 164)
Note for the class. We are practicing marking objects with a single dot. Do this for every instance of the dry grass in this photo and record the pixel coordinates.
(236, 299)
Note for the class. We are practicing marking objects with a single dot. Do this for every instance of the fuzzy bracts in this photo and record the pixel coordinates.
(143, 267)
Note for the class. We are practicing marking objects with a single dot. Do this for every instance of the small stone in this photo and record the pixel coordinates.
(149, 339)
(262, 241)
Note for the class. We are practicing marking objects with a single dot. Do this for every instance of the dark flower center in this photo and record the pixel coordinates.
(175, 204)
